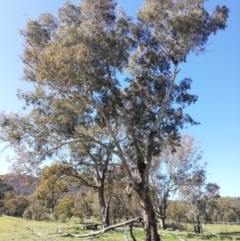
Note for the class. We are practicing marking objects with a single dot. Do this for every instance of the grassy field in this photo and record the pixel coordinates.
(223, 229)
(20, 229)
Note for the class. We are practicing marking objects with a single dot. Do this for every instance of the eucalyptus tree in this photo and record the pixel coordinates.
(173, 170)
(96, 72)
(198, 199)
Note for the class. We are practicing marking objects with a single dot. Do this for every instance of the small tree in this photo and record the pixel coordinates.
(176, 212)
(36, 210)
(64, 209)
(53, 184)
(198, 199)
(176, 165)
(83, 204)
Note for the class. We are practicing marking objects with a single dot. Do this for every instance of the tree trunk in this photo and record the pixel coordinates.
(162, 222)
(199, 228)
(198, 225)
(148, 215)
(163, 211)
(104, 208)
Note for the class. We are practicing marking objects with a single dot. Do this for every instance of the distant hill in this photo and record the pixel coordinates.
(26, 185)
(22, 185)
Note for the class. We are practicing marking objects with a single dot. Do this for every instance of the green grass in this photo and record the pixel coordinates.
(17, 229)
(224, 232)
(14, 229)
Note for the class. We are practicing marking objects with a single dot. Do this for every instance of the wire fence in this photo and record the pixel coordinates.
(226, 223)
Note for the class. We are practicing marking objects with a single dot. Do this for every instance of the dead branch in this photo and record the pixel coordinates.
(90, 235)
(38, 234)
(102, 231)
(214, 234)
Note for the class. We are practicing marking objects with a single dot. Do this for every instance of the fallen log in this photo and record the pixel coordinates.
(102, 231)
(90, 235)
(213, 234)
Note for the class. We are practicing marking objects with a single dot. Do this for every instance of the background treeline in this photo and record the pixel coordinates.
(37, 198)
(97, 188)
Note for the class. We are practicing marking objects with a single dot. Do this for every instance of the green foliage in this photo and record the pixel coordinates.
(75, 61)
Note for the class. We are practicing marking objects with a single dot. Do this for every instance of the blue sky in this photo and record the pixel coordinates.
(215, 80)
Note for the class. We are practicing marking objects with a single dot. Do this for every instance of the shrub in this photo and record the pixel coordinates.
(16, 206)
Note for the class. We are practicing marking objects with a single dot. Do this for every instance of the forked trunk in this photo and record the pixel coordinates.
(105, 217)
(148, 215)
(105, 214)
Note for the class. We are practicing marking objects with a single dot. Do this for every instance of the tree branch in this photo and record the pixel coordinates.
(165, 100)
